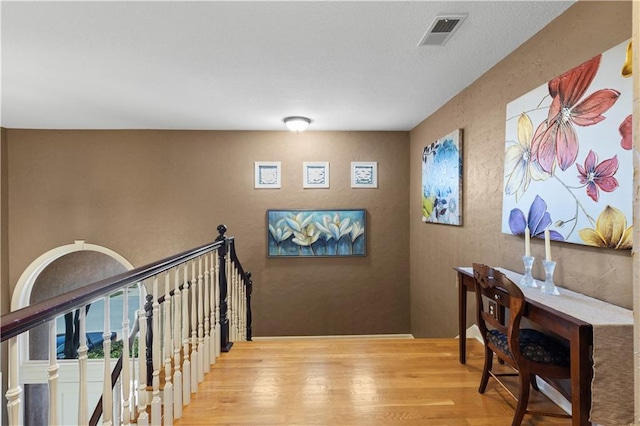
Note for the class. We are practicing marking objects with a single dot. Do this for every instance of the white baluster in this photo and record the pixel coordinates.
(107, 391)
(205, 300)
(177, 342)
(126, 363)
(194, 329)
(168, 349)
(243, 309)
(133, 390)
(53, 375)
(212, 303)
(231, 277)
(14, 390)
(200, 323)
(217, 305)
(143, 417)
(233, 317)
(83, 414)
(186, 366)
(242, 299)
(236, 303)
(117, 415)
(156, 409)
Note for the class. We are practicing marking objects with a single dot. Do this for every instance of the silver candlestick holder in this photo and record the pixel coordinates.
(548, 287)
(527, 279)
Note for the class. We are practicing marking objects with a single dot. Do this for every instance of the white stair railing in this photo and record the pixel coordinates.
(178, 330)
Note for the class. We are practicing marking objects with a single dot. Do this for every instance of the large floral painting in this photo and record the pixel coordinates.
(316, 233)
(568, 160)
(442, 180)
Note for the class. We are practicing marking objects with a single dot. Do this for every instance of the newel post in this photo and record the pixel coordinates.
(249, 289)
(225, 344)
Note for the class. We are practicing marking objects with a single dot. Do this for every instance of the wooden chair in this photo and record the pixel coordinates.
(530, 352)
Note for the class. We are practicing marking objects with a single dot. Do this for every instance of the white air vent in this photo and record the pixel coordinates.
(441, 30)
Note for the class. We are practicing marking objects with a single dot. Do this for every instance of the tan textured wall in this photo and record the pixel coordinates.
(4, 259)
(583, 31)
(149, 194)
(4, 225)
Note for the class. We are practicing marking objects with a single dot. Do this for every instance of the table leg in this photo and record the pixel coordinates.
(581, 376)
(462, 319)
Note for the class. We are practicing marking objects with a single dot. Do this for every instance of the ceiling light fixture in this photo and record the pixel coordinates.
(297, 124)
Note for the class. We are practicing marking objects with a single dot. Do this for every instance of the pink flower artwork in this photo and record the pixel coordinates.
(596, 176)
(555, 138)
(569, 142)
(626, 133)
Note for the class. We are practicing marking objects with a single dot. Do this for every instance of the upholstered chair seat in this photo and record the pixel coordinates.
(535, 346)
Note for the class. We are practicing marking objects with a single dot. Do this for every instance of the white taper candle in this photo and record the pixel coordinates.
(547, 245)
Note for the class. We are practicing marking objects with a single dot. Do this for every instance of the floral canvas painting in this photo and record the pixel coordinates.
(442, 180)
(316, 233)
(568, 161)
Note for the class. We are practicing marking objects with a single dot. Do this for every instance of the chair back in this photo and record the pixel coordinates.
(501, 293)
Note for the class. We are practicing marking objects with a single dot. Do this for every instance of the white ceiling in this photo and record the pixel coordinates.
(236, 65)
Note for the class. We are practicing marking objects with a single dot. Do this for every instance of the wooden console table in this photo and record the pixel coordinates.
(573, 316)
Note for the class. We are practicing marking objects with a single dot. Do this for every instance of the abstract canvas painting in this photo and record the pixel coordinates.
(364, 174)
(267, 174)
(315, 174)
(442, 180)
(316, 233)
(568, 162)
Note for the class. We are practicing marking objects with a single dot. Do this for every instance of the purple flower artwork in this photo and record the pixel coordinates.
(538, 219)
(568, 160)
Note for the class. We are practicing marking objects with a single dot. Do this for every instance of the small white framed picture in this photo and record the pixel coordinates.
(315, 174)
(364, 174)
(267, 174)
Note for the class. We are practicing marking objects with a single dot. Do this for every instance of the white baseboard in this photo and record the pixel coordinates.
(473, 332)
(554, 395)
(342, 336)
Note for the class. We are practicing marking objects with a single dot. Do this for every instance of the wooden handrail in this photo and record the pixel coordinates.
(22, 320)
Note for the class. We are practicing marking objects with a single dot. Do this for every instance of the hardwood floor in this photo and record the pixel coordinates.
(353, 382)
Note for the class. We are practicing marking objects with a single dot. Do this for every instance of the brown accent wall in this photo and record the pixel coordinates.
(583, 31)
(149, 194)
